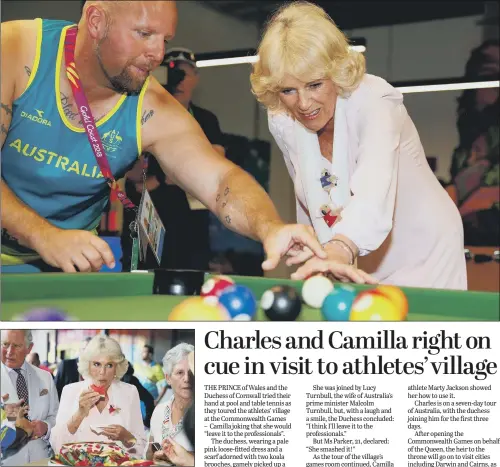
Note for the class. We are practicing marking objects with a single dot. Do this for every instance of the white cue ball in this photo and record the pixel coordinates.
(315, 290)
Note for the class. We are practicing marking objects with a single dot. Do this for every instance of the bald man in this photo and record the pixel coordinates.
(53, 192)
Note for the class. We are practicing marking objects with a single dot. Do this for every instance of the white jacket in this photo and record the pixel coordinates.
(124, 399)
(392, 204)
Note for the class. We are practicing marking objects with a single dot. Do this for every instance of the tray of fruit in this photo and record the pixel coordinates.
(95, 454)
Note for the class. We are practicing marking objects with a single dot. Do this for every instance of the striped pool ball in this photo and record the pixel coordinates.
(199, 309)
(370, 305)
(215, 285)
(397, 296)
(239, 301)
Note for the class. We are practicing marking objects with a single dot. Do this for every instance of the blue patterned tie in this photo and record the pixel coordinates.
(21, 386)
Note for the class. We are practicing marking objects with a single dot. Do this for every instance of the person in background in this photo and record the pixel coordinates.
(474, 171)
(34, 359)
(167, 422)
(36, 389)
(147, 401)
(355, 157)
(186, 220)
(67, 371)
(149, 373)
(101, 407)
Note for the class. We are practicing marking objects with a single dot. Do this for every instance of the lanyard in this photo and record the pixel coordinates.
(88, 119)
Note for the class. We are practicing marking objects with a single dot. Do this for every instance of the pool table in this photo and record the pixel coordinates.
(120, 296)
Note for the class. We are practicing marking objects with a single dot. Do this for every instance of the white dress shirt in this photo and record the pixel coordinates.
(393, 208)
(123, 398)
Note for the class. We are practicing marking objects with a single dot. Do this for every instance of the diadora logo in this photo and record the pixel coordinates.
(111, 140)
(39, 118)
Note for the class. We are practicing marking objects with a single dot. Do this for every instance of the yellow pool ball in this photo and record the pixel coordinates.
(397, 296)
(373, 306)
(199, 309)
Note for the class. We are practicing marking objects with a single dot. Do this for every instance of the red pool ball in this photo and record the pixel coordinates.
(215, 285)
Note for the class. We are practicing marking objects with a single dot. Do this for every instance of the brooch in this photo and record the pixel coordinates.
(329, 215)
(328, 181)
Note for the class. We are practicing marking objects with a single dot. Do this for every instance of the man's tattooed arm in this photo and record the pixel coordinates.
(147, 114)
(6, 117)
(28, 70)
(243, 206)
(7, 109)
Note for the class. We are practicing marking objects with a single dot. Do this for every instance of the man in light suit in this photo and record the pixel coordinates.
(36, 388)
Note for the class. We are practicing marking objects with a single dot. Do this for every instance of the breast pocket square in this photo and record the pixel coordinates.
(44, 392)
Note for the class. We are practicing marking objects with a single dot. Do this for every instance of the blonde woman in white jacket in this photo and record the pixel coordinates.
(359, 169)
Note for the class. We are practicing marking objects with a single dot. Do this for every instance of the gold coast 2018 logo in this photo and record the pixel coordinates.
(38, 118)
(111, 140)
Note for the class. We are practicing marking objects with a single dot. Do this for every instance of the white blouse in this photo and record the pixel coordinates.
(123, 409)
(391, 204)
(162, 426)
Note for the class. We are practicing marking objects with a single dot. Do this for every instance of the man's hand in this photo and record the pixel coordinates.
(176, 454)
(71, 249)
(282, 240)
(22, 422)
(39, 428)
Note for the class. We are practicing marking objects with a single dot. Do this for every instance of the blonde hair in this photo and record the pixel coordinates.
(102, 346)
(303, 41)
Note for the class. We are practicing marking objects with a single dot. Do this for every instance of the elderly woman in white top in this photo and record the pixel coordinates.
(101, 407)
(360, 173)
(167, 421)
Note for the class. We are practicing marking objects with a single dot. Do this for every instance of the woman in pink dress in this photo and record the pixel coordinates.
(101, 407)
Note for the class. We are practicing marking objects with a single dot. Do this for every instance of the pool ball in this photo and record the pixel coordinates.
(315, 290)
(177, 287)
(373, 306)
(397, 296)
(281, 303)
(215, 285)
(44, 314)
(238, 300)
(180, 282)
(199, 309)
(337, 304)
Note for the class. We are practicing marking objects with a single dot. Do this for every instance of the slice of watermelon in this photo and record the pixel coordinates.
(100, 389)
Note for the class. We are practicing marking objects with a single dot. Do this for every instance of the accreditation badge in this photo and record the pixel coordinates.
(151, 229)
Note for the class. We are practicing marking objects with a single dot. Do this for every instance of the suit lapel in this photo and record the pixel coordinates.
(33, 391)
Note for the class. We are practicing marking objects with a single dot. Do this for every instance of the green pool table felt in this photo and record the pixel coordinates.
(129, 297)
